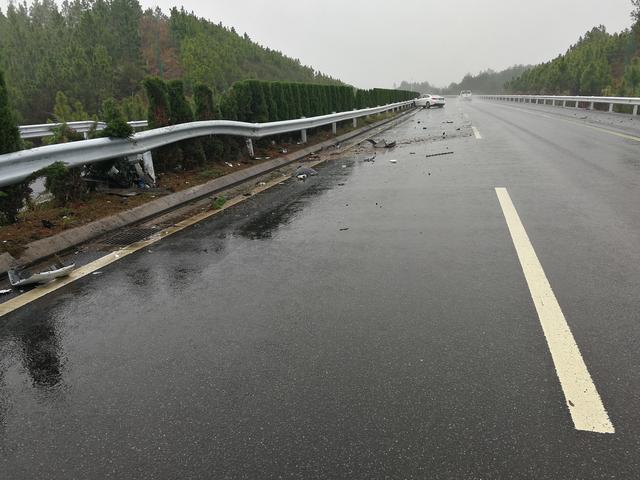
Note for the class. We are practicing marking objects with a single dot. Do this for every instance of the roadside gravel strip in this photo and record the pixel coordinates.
(46, 247)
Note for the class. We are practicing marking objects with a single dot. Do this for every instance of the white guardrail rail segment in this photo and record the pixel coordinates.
(17, 166)
(563, 99)
(46, 129)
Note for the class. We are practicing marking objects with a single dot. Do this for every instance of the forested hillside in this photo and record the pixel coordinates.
(92, 50)
(487, 81)
(598, 64)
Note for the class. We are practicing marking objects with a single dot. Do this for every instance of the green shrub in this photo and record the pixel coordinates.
(218, 202)
(12, 199)
(64, 183)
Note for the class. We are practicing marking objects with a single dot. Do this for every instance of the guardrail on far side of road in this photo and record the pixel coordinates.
(568, 101)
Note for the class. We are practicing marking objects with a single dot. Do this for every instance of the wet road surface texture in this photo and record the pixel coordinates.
(371, 322)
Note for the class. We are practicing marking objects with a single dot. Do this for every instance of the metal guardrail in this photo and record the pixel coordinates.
(46, 129)
(562, 100)
(17, 166)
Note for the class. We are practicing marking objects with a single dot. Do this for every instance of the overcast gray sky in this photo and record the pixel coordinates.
(378, 42)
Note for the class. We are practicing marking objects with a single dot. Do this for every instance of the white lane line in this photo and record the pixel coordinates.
(476, 132)
(586, 407)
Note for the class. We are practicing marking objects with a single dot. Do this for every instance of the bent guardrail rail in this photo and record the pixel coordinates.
(42, 130)
(17, 166)
(563, 99)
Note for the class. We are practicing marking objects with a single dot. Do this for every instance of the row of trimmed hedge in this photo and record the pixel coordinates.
(252, 101)
(260, 101)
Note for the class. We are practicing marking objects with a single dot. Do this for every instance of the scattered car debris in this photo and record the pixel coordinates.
(284, 150)
(341, 184)
(248, 194)
(122, 192)
(424, 128)
(5, 291)
(448, 121)
(48, 224)
(230, 164)
(262, 184)
(393, 160)
(255, 158)
(21, 278)
(412, 153)
(96, 273)
(344, 229)
(302, 177)
(308, 172)
(438, 154)
(381, 144)
(371, 159)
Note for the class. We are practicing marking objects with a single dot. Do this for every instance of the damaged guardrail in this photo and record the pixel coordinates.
(17, 166)
(562, 100)
(42, 130)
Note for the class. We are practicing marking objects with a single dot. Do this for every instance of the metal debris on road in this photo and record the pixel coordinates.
(344, 229)
(393, 160)
(5, 291)
(21, 278)
(372, 158)
(306, 171)
(438, 154)
(381, 144)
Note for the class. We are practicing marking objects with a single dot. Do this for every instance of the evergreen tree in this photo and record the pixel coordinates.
(158, 99)
(12, 198)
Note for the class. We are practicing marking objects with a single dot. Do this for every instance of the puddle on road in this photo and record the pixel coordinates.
(264, 225)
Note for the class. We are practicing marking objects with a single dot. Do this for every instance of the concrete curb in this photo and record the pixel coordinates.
(46, 247)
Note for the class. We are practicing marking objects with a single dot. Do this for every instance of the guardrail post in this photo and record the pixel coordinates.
(564, 103)
(355, 122)
(591, 106)
(303, 134)
(635, 109)
(334, 127)
(250, 147)
(610, 107)
(577, 103)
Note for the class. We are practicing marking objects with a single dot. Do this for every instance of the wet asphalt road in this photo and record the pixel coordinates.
(372, 322)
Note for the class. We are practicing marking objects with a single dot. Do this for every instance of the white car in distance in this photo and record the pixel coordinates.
(465, 95)
(428, 101)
